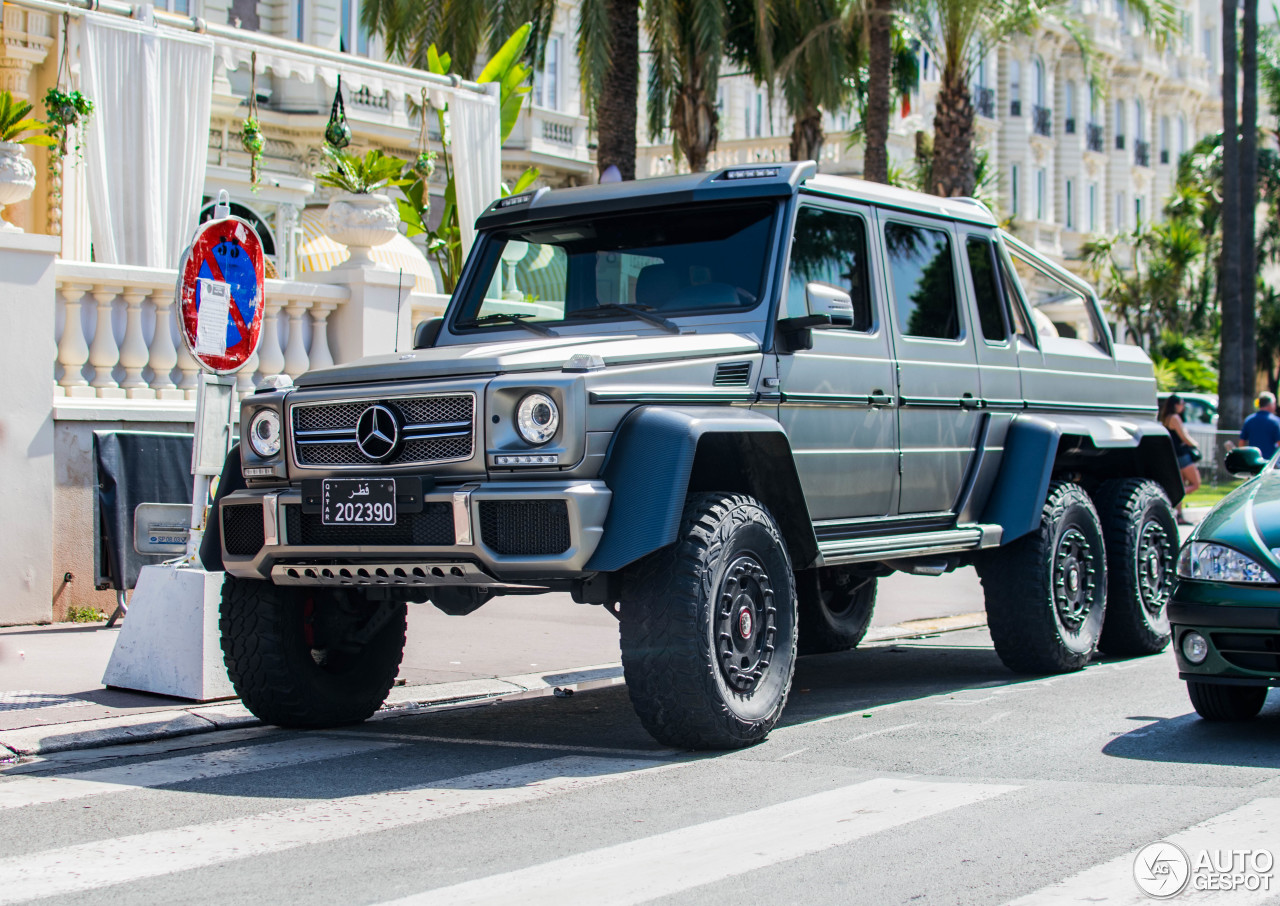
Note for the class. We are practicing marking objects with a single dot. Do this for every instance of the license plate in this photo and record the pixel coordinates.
(358, 501)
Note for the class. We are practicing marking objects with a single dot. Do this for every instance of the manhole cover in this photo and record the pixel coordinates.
(25, 700)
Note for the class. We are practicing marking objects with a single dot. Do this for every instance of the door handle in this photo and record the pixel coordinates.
(880, 398)
(969, 401)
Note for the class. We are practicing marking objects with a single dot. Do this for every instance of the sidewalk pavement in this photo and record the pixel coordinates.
(52, 698)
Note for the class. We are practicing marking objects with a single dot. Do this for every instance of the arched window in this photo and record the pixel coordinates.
(1164, 139)
(1069, 103)
(1037, 75)
(1139, 121)
(1118, 125)
(256, 220)
(1015, 88)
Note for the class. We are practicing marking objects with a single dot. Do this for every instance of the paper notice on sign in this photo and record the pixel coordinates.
(211, 317)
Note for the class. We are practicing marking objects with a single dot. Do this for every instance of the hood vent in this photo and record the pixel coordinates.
(733, 374)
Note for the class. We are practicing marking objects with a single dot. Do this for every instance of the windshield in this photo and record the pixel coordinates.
(702, 259)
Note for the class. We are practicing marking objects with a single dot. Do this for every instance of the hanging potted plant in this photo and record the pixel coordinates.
(359, 216)
(251, 139)
(17, 173)
(64, 109)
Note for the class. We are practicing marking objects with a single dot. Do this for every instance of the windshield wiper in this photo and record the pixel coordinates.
(639, 311)
(508, 318)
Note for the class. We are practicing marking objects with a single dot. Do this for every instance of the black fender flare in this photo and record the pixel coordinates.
(657, 450)
(1038, 446)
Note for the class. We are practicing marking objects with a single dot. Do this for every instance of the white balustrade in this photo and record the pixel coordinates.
(149, 356)
(104, 354)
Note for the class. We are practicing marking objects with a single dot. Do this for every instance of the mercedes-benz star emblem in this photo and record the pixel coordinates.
(378, 433)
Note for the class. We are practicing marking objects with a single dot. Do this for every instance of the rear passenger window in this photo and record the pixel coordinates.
(986, 291)
(830, 247)
(1058, 309)
(923, 277)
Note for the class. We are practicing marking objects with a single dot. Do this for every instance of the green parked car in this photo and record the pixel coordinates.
(1225, 610)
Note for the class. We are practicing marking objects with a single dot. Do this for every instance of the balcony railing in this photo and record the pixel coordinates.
(1069, 125)
(96, 358)
(1142, 153)
(985, 101)
(1093, 137)
(1015, 108)
(560, 133)
(1042, 119)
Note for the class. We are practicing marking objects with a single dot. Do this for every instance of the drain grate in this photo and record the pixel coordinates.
(25, 700)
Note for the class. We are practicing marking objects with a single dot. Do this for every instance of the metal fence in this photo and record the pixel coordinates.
(1213, 445)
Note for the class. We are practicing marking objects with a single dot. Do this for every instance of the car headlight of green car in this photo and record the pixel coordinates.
(1211, 562)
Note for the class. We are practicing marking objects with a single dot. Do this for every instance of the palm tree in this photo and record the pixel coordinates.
(875, 121)
(811, 51)
(1230, 283)
(959, 33)
(469, 30)
(686, 39)
(609, 63)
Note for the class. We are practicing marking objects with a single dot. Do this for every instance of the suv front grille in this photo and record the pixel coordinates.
(242, 531)
(432, 527)
(435, 429)
(525, 526)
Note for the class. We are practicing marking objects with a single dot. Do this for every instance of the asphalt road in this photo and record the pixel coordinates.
(915, 772)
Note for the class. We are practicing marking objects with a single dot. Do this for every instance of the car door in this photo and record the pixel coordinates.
(837, 398)
(939, 391)
(995, 341)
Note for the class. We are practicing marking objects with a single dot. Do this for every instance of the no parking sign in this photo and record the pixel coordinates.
(220, 294)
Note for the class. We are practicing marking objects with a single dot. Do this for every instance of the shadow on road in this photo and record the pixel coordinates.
(1188, 739)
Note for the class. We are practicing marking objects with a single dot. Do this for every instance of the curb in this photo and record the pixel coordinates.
(402, 701)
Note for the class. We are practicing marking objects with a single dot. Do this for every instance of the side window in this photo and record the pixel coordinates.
(1058, 309)
(986, 291)
(1011, 293)
(830, 247)
(922, 274)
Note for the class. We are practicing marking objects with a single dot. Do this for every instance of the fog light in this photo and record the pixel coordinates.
(1195, 648)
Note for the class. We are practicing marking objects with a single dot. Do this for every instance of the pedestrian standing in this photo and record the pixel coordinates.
(1262, 429)
(1185, 448)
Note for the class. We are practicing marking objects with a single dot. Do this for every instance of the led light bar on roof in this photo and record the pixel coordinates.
(751, 173)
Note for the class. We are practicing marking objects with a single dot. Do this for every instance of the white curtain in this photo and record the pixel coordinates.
(148, 138)
(475, 127)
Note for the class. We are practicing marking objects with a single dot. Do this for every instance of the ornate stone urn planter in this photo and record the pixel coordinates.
(17, 179)
(361, 222)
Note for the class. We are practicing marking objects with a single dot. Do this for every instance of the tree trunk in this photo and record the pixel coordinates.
(1249, 204)
(953, 160)
(616, 107)
(875, 156)
(1230, 376)
(695, 121)
(807, 136)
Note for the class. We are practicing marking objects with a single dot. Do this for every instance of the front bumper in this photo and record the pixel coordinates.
(510, 533)
(1241, 625)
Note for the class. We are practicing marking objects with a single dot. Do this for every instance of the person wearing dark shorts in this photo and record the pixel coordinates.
(1262, 429)
(1183, 446)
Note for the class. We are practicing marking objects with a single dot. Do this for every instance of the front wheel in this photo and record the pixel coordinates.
(309, 658)
(1047, 591)
(708, 627)
(1215, 701)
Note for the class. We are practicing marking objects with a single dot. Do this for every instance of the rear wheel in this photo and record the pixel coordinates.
(309, 658)
(708, 627)
(1047, 591)
(1215, 701)
(1141, 535)
(836, 606)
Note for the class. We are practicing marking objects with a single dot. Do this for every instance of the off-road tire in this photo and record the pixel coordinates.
(728, 557)
(1035, 627)
(1141, 535)
(1215, 701)
(836, 607)
(267, 637)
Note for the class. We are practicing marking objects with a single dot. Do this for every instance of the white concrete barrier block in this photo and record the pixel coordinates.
(168, 644)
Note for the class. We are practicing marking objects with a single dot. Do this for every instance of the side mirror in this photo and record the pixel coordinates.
(1245, 460)
(823, 299)
(426, 333)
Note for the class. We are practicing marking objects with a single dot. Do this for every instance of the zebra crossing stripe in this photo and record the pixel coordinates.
(1255, 826)
(678, 860)
(89, 866)
(141, 775)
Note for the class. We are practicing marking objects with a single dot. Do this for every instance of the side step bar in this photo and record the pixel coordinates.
(915, 544)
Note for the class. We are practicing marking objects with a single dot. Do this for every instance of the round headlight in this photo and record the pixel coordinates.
(264, 433)
(537, 418)
(1194, 647)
